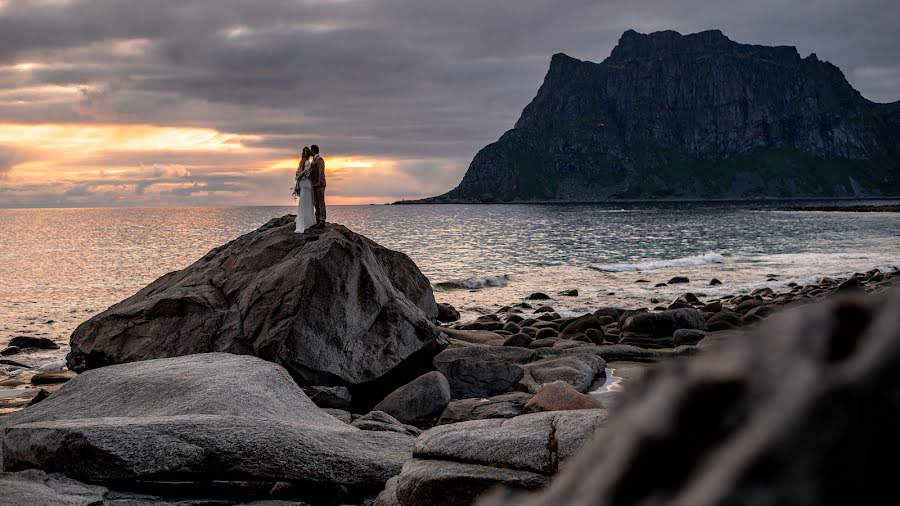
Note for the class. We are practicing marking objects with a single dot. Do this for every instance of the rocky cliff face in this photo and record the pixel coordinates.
(691, 116)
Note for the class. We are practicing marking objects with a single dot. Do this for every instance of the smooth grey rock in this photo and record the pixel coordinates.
(662, 324)
(529, 442)
(576, 369)
(753, 419)
(36, 488)
(442, 483)
(331, 306)
(419, 402)
(500, 406)
(482, 371)
(380, 421)
(185, 418)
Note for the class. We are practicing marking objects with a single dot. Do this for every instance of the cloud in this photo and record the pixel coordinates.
(424, 83)
(7, 157)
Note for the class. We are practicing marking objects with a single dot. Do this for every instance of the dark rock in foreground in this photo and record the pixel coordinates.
(805, 412)
(330, 306)
(203, 417)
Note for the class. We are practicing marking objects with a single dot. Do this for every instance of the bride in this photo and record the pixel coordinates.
(306, 213)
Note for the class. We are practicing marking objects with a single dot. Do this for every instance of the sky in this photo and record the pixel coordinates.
(208, 102)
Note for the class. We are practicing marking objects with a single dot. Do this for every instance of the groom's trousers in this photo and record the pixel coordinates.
(319, 195)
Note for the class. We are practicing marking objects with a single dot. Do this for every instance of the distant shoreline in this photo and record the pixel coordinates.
(854, 209)
(665, 201)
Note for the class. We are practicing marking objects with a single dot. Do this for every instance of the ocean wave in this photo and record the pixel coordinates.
(473, 283)
(710, 257)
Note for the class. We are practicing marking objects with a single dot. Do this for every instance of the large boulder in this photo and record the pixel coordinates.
(213, 416)
(805, 412)
(330, 306)
(420, 401)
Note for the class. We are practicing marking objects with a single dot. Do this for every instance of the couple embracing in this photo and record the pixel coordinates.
(309, 185)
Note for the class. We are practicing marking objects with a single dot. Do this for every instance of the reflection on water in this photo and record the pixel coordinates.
(60, 266)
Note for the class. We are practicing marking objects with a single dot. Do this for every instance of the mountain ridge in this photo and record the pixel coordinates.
(698, 116)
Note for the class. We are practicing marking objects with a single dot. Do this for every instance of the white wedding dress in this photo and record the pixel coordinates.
(306, 211)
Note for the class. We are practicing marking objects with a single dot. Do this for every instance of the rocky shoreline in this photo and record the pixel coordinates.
(849, 209)
(345, 382)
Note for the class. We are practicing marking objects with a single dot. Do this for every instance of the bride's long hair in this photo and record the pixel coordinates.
(306, 154)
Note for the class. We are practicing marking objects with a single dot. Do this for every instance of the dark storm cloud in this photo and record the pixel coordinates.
(399, 79)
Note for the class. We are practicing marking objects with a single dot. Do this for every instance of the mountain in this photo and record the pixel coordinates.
(690, 117)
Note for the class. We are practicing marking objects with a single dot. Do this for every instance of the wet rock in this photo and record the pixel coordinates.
(569, 293)
(41, 395)
(660, 285)
(543, 309)
(52, 377)
(726, 316)
(379, 421)
(714, 282)
(500, 406)
(6, 361)
(538, 296)
(447, 313)
(419, 402)
(687, 336)
(610, 311)
(331, 306)
(547, 342)
(329, 397)
(595, 336)
(521, 340)
(769, 431)
(546, 333)
(749, 304)
(720, 325)
(678, 280)
(662, 324)
(183, 417)
(10, 350)
(851, 285)
(482, 371)
(41, 343)
(512, 328)
(560, 396)
(580, 325)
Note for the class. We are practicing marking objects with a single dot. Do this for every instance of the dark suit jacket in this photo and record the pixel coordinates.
(317, 172)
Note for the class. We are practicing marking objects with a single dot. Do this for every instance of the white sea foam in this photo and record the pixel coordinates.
(710, 257)
(473, 283)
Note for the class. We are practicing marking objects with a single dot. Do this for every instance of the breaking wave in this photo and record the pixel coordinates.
(710, 257)
(473, 283)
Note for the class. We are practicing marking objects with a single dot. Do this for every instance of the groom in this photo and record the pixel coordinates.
(317, 178)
